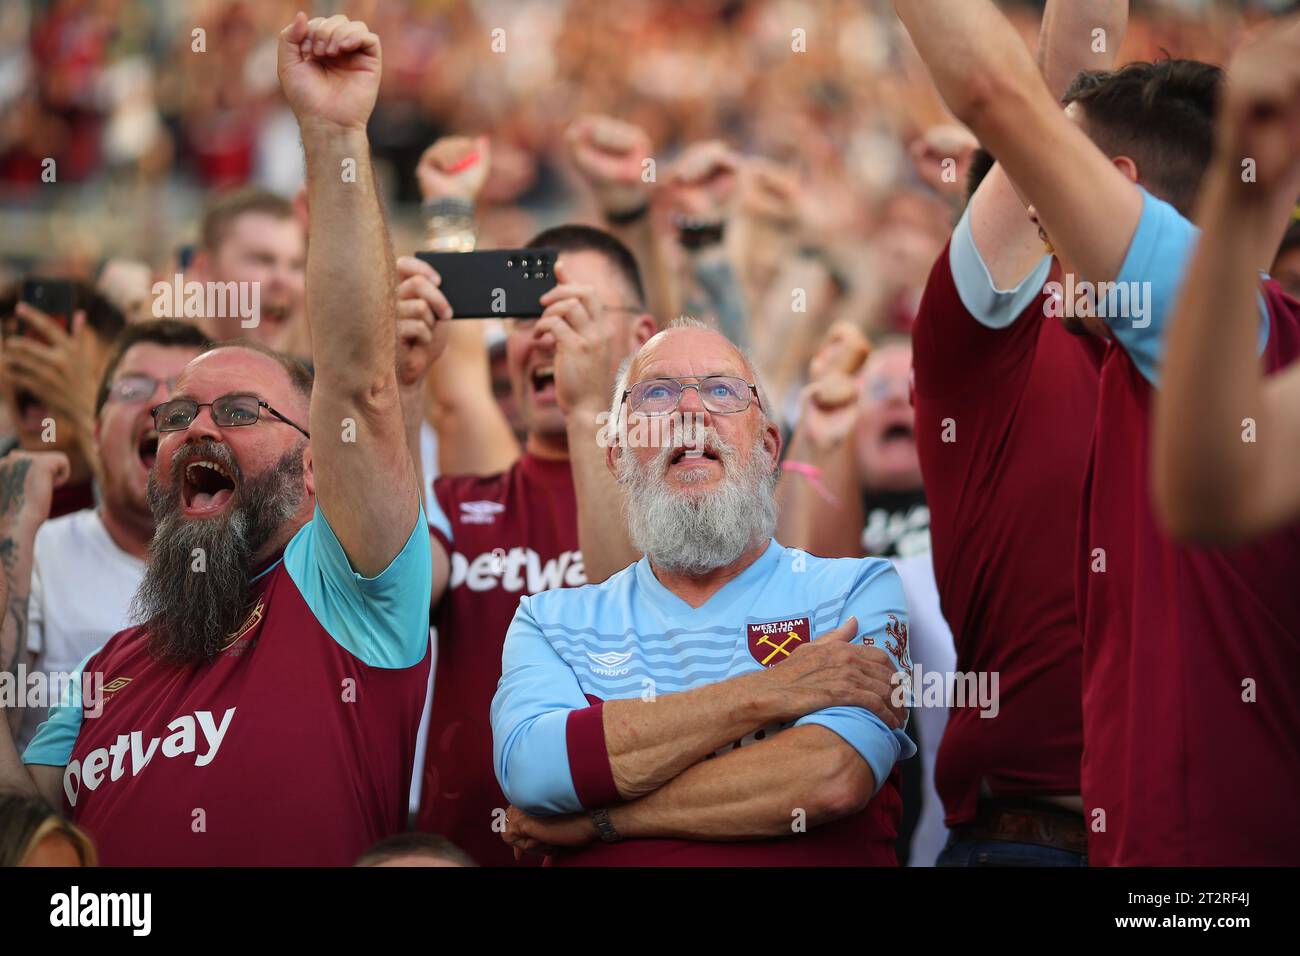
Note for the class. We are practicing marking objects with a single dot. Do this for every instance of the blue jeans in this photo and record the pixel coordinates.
(1005, 853)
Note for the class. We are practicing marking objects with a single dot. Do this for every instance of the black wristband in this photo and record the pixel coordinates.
(604, 827)
(693, 234)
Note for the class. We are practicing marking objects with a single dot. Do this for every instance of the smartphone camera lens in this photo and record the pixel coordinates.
(510, 263)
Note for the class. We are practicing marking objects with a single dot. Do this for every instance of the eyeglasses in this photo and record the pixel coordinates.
(136, 388)
(229, 411)
(721, 394)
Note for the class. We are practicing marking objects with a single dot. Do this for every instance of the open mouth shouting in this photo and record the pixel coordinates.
(206, 487)
(147, 448)
(542, 380)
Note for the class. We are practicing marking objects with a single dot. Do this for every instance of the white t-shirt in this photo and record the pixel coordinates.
(82, 586)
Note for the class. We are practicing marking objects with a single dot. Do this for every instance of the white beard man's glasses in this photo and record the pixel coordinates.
(720, 394)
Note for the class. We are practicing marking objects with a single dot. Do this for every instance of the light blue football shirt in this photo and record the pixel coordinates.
(630, 636)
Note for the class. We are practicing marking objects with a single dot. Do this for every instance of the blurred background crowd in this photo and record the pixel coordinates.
(149, 108)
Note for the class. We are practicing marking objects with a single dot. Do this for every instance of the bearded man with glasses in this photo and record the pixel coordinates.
(265, 710)
(724, 700)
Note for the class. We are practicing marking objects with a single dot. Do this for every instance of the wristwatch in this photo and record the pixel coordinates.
(604, 827)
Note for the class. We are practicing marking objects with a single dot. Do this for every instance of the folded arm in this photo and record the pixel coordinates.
(757, 791)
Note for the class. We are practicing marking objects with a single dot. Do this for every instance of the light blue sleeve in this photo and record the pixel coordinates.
(54, 739)
(877, 602)
(1146, 289)
(530, 713)
(992, 307)
(382, 621)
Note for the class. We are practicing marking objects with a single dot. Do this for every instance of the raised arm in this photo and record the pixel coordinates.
(27, 482)
(611, 156)
(1210, 482)
(819, 494)
(1077, 35)
(474, 437)
(329, 70)
(991, 83)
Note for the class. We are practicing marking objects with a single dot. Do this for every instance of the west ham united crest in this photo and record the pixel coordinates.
(774, 641)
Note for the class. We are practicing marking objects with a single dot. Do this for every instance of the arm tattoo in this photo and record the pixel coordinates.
(12, 479)
(16, 609)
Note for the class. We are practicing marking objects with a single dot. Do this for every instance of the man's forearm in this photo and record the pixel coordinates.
(474, 437)
(805, 775)
(821, 511)
(967, 44)
(651, 741)
(16, 546)
(663, 299)
(1212, 379)
(1068, 43)
(602, 532)
(350, 274)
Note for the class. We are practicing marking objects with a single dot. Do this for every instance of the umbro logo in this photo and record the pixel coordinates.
(480, 512)
(610, 663)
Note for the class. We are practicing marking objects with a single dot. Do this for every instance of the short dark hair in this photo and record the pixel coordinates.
(573, 237)
(1161, 115)
(165, 332)
(414, 843)
(300, 376)
(229, 206)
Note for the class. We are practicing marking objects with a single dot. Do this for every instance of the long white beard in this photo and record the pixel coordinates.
(696, 534)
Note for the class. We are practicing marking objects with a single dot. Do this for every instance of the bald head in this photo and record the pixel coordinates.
(687, 351)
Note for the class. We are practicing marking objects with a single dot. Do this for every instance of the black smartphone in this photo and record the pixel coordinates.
(57, 298)
(494, 283)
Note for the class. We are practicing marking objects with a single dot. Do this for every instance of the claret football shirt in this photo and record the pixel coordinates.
(569, 651)
(508, 535)
(1005, 400)
(1191, 721)
(293, 747)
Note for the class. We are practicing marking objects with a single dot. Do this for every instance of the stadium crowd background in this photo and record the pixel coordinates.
(144, 131)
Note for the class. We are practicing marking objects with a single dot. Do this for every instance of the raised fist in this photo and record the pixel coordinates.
(702, 182)
(329, 69)
(611, 155)
(454, 167)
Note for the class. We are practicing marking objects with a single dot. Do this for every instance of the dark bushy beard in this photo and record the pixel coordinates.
(190, 615)
(695, 535)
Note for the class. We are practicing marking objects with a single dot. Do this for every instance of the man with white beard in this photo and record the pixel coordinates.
(663, 717)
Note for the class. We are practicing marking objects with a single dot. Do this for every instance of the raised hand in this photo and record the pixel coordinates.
(931, 152)
(329, 70)
(610, 155)
(1260, 112)
(27, 483)
(422, 316)
(702, 182)
(588, 344)
(829, 402)
(454, 167)
(831, 672)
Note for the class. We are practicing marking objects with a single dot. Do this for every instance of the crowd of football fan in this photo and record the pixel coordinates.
(964, 529)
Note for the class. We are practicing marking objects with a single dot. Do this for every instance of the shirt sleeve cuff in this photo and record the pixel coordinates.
(593, 779)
